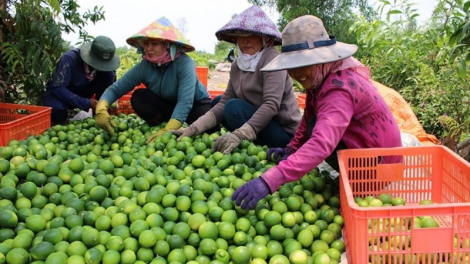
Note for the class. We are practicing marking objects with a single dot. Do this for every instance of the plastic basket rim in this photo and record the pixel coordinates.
(41, 110)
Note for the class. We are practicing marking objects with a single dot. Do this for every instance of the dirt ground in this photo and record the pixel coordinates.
(217, 80)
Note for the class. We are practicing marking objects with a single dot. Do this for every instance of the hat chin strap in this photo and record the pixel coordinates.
(305, 45)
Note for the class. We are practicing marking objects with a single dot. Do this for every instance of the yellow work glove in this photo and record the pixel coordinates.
(171, 125)
(102, 117)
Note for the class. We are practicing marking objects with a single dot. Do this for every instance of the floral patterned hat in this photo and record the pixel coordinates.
(161, 29)
(251, 21)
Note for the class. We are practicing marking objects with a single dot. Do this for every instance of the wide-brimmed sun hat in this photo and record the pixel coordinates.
(305, 42)
(252, 21)
(160, 29)
(100, 54)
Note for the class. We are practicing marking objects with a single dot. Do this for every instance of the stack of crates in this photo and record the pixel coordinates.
(202, 74)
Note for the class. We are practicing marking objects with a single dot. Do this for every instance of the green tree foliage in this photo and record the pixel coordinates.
(222, 49)
(426, 64)
(31, 43)
(202, 58)
(129, 57)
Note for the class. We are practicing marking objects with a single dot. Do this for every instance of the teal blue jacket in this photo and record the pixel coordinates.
(175, 82)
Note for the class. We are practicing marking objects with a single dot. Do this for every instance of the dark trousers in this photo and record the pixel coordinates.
(155, 110)
(59, 113)
(237, 112)
(332, 160)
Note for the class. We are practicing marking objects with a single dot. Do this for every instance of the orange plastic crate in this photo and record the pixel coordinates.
(140, 86)
(214, 93)
(428, 172)
(202, 73)
(124, 105)
(21, 121)
(301, 100)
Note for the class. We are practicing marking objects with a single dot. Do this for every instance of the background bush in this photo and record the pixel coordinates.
(425, 63)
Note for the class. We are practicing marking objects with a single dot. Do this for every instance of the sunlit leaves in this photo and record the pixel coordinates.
(462, 69)
(12, 56)
(32, 48)
(55, 5)
(427, 64)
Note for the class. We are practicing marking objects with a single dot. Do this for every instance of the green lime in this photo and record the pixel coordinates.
(42, 250)
(8, 219)
(18, 256)
(93, 255)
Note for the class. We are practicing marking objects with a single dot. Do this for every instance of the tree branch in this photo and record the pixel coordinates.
(463, 144)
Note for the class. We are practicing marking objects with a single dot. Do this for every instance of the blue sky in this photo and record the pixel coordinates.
(198, 19)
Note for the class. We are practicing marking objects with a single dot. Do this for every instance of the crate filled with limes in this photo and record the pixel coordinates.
(75, 194)
(414, 210)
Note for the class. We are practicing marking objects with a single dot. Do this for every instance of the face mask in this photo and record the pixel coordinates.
(90, 72)
(248, 62)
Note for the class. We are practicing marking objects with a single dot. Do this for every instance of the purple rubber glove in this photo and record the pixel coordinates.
(249, 194)
(278, 154)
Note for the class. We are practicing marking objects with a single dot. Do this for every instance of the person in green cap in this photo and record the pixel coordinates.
(80, 74)
(173, 94)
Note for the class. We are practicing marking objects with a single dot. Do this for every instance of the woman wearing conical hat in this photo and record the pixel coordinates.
(173, 95)
(343, 108)
(256, 106)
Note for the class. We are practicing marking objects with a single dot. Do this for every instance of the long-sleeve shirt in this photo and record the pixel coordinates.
(70, 84)
(271, 92)
(348, 108)
(175, 82)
